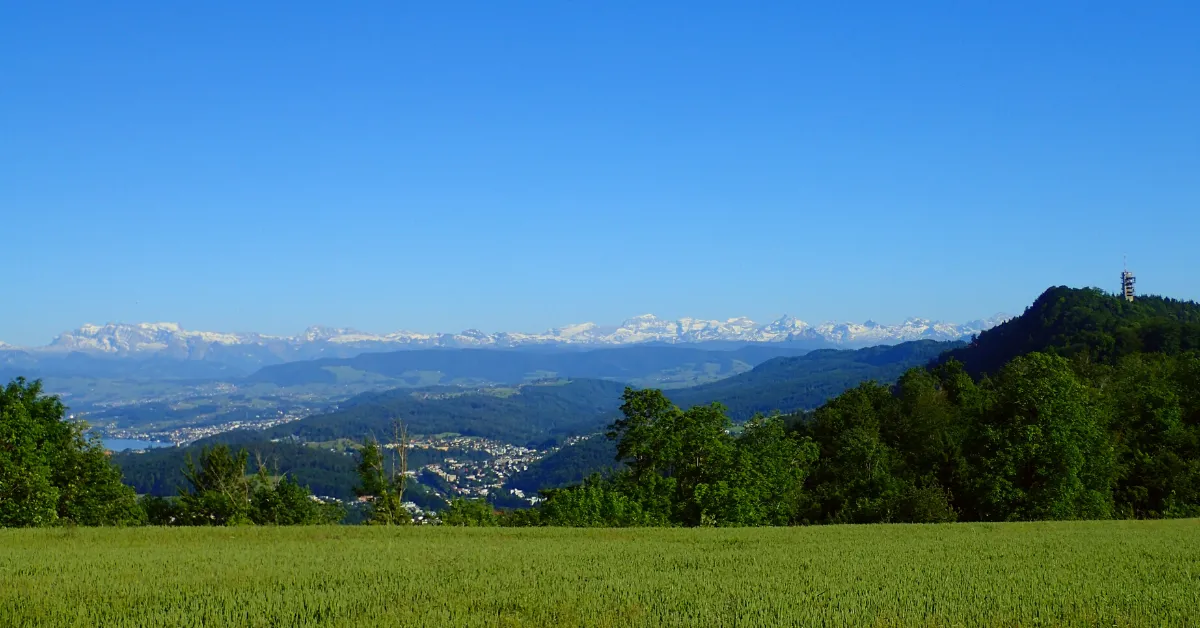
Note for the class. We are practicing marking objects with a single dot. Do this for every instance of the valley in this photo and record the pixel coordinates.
(540, 418)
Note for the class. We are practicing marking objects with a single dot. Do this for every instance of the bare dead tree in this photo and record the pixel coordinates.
(399, 458)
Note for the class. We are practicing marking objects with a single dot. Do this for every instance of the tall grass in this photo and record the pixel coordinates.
(1036, 574)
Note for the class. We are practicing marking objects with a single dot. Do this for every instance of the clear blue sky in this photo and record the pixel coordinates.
(517, 165)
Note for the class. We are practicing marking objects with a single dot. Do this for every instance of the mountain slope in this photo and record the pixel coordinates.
(526, 414)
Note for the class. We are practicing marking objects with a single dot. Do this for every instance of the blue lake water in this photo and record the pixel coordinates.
(122, 444)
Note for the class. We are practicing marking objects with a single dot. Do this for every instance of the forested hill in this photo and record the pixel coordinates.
(1087, 324)
(527, 414)
(805, 382)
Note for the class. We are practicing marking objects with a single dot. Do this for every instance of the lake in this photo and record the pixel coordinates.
(123, 444)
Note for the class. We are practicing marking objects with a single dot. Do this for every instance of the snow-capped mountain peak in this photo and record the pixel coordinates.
(142, 337)
(317, 333)
(173, 339)
(572, 331)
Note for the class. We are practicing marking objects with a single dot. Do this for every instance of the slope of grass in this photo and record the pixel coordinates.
(1026, 574)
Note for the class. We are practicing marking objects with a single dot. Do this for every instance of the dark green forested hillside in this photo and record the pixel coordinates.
(528, 414)
(160, 471)
(805, 382)
(1086, 324)
(569, 465)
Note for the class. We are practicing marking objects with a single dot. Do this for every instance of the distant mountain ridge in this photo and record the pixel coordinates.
(658, 365)
(172, 340)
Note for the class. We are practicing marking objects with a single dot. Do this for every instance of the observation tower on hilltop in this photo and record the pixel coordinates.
(1127, 281)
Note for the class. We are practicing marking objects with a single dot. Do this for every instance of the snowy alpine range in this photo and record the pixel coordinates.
(173, 340)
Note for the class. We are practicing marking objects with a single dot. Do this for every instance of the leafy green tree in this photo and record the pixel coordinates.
(286, 502)
(523, 518)
(29, 431)
(855, 479)
(469, 513)
(1158, 457)
(701, 452)
(765, 482)
(49, 471)
(1043, 449)
(684, 468)
(160, 511)
(598, 502)
(372, 480)
(643, 433)
(930, 429)
(1185, 492)
(91, 492)
(692, 449)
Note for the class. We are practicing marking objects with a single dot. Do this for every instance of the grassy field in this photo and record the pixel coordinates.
(1037, 574)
